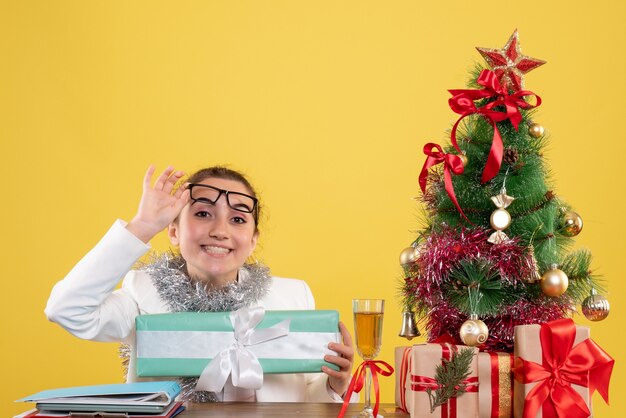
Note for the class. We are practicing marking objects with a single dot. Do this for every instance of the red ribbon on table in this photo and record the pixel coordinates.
(451, 164)
(586, 364)
(462, 102)
(423, 383)
(358, 381)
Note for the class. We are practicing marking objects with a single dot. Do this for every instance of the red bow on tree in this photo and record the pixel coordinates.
(586, 364)
(451, 164)
(462, 102)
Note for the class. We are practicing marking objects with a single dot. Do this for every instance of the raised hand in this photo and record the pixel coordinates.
(340, 380)
(158, 206)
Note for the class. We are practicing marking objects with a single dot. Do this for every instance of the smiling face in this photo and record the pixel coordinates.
(214, 239)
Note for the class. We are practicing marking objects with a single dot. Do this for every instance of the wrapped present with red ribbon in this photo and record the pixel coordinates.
(495, 379)
(557, 369)
(424, 359)
(402, 363)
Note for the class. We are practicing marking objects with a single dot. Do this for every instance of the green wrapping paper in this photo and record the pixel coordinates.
(183, 344)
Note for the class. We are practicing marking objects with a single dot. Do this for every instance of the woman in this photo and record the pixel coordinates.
(213, 221)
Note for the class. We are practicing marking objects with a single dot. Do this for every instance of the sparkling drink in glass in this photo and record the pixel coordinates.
(368, 331)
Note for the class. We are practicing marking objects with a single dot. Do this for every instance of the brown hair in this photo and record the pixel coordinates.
(221, 172)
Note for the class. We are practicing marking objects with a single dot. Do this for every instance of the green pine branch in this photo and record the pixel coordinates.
(576, 266)
(475, 288)
(450, 376)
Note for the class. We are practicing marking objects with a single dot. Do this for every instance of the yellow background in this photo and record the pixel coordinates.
(325, 104)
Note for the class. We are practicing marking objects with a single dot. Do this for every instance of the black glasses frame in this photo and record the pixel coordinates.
(221, 192)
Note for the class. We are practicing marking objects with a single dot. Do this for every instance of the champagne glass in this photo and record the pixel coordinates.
(368, 330)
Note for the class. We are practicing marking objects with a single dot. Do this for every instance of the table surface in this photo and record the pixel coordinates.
(265, 410)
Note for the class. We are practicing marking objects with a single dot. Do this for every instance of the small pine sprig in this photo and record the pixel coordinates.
(450, 376)
(475, 288)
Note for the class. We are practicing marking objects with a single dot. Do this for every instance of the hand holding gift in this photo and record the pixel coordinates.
(339, 380)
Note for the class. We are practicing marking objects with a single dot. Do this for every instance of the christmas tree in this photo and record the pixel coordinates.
(496, 250)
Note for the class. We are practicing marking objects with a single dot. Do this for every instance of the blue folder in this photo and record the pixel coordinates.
(128, 397)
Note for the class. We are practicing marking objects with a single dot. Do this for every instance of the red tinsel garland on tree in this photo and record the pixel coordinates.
(443, 250)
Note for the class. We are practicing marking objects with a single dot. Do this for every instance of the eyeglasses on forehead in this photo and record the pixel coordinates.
(208, 194)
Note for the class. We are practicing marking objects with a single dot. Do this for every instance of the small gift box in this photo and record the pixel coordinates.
(424, 360)
(246, 343)
(495, 389)
(402, 363)
(557, 369)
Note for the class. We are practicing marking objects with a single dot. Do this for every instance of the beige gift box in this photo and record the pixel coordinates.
(528, 346)
(495, 377)
(423, 362)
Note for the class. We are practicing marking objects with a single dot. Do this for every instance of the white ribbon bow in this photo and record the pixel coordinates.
(237, 358)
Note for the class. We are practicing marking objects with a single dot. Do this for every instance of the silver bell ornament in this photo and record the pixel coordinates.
(409, 329)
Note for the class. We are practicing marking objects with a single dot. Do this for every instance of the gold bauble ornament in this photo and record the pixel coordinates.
(464, 159)
(595, 307)
(554, 282)
(474, 332)
(500, 219)
(570, 224)
(408, 256)
(535, 130)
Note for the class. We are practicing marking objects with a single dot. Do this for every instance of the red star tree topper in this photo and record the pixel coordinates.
(509, 64)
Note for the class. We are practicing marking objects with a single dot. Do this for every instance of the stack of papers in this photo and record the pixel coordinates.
(143, 399)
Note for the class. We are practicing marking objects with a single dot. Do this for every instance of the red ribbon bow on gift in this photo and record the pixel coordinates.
(586, 364)
(462, 102)
(358, 381)
(451, 164)
(448, 410)
(423, 383)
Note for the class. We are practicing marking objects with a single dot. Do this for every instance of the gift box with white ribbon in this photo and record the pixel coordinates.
(243, 344)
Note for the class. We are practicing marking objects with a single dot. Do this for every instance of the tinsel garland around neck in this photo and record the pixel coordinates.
(183, 294)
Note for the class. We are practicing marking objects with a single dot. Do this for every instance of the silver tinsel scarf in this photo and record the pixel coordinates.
(182, 294)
